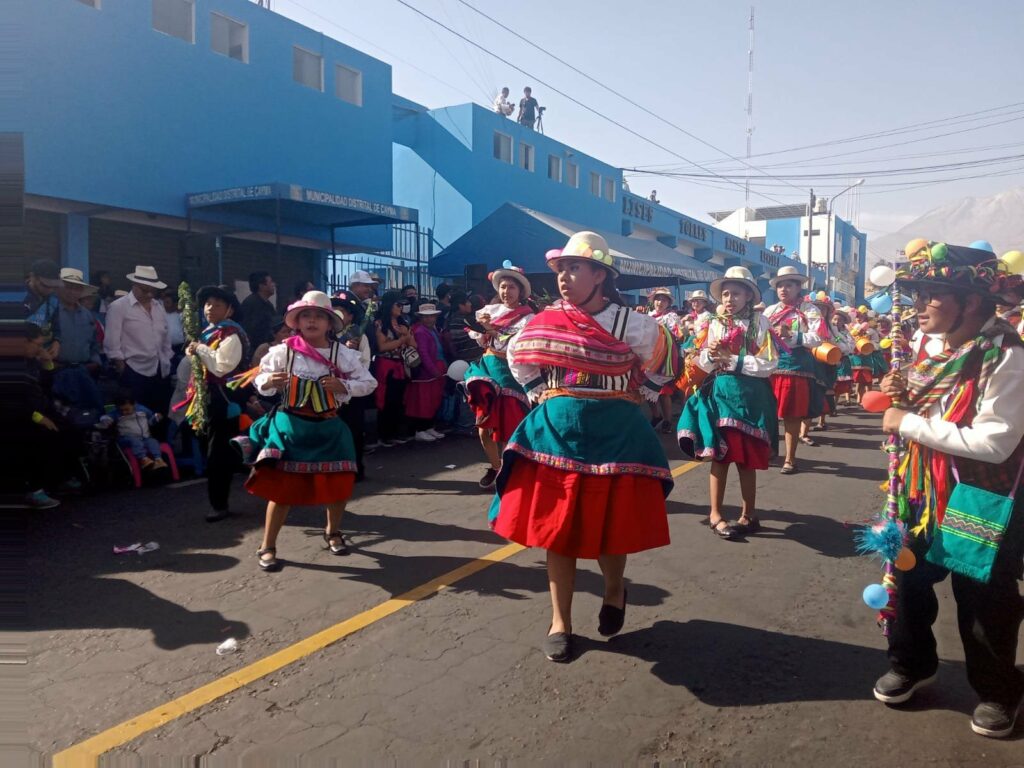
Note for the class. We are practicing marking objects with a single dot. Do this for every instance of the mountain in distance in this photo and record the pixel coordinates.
(998, 219)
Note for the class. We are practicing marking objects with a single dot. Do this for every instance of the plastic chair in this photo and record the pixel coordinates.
(136, 470)
(195, 458)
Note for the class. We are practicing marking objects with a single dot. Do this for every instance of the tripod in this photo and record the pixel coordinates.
(539, 125)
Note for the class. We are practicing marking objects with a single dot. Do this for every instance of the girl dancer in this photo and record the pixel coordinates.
(661, 299)
(302, 452)
(731, 418)
(584, 474)
(497, 399)
(863, 364)
(844, 372)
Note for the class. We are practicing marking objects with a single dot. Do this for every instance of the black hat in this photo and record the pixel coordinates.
(222, 292)
(346, 300)
(47, 273)
(959, 269)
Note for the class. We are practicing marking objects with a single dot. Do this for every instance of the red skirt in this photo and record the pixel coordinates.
(793, 394)
(301, 489)
(745, 451)
(862, 376)
(581, 515)
(423, 398)
(496, 412)
(843, 387)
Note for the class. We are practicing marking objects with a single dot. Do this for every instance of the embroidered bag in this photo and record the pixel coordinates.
(968, 538)
(411, 357)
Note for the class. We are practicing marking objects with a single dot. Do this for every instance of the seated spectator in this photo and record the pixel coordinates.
(78, 354)
(133, 422)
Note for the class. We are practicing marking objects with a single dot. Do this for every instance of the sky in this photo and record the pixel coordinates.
(823, 71)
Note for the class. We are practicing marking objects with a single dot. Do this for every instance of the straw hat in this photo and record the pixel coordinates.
(146, 275)
(698, 295)
(662, 291)
(788, 273)
(428, 309)
(587, 246)
(72, 276)
(312, 300)
(735, 275)
(514, 273)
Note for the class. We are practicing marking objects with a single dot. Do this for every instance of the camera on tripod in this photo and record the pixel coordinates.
(541, 110)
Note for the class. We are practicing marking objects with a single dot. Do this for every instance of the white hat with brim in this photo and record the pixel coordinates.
(788, 273)
(585, 246)
(72, 276)
(144, 275)
(361, 277)
(513, 274)
(735, 275)
(428, 309)
(661, 291)
(317, 300)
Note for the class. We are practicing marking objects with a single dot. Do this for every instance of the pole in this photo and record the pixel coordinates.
(750, 104)
(810, 242)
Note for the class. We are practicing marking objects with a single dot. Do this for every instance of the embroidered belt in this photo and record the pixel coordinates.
(631, 396)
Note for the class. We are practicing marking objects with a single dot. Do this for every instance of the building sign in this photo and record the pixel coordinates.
(693, 230)
(770, 258)
(352, 203)
(735, 245)
(638, 209)
(234, 194)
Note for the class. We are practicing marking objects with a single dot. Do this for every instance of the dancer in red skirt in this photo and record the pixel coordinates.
(795, 388)
(584, 474)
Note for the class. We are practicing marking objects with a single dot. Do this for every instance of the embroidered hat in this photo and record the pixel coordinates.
(662, 291)
(72, 276)
(959, 269)
(587, 246)
(145, 275)
(317, 300)
(735, 275)
(698, 295)
(428, 309)
(788, 273)
(515, 273)
(222, 292)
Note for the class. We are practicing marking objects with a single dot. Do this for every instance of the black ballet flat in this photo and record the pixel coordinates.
(610, 619)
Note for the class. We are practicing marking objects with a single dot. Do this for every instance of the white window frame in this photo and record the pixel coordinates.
(527, 156)
(595, 184)
(298, 48)
(498, 135)
(557, 176)
(191, 40)
(608, 189)
(237, 23)
(358, 101)
(572, 174)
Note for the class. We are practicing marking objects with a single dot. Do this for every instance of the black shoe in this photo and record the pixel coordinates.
(558, 647)
(610, 619)
(487, 481)
(215, 515)
(335, 542)
(724, 530)
(996, 721)
(894, 688)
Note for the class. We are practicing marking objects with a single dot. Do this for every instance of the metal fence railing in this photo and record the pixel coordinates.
(407, 263)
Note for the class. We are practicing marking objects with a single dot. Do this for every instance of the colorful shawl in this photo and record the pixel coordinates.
(564, 336)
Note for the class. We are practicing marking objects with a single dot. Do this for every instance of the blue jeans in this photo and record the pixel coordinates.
(141, 447)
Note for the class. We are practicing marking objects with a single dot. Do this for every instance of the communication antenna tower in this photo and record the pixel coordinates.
(750, 105)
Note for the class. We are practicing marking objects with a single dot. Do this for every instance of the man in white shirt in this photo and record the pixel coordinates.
(137, 340)
(965, 420)
(501, 103)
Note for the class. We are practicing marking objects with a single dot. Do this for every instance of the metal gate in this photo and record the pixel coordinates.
(407, 263)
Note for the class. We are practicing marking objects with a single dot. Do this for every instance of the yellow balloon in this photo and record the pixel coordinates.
(1014, 261)
(885, 343)
(914, 246)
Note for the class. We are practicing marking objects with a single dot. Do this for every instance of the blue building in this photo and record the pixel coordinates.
(208, 138)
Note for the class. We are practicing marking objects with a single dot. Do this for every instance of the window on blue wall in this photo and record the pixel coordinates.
(609, 190)
(348, 84)
(595, 184)
(176, 18)
(229, 37)
(572, 174)
(502, 147)
(526, 154)
(307, 68)
(555, 168)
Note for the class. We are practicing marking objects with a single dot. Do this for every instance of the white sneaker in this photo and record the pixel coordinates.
(424, 437)
(434, 434)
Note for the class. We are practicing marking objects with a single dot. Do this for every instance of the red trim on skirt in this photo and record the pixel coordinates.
(303, 489)
(745, 451)
(581, 515)
(793, 394)
(862, 376)
(843, 387)
(499, 413)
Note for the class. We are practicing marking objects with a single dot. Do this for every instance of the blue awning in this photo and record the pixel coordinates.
(523, 236)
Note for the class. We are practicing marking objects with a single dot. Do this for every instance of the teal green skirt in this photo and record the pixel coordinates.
(745, 403)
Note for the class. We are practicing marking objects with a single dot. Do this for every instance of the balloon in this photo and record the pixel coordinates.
(885, 343)
(982, 245)
(874, 401)
(506, 264)
(914, 246)
(1014, 261)
(939, 252)
(882, 275)
(905, 560)
(875, 596)
(881, 303)
(457, 370)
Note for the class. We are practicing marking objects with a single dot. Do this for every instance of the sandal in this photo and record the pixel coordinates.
(271, 563)
(788, 468)
(723, 529)
(753, 525)
(807, 440)
(335, 542)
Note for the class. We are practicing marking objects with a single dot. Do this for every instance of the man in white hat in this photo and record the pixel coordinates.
(137, 340)
(78, 358)
(362, 285)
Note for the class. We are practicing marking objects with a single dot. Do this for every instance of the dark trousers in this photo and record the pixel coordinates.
(391, 420)
(988, 615)
(222, 461)
(154, 391)
(353, 413)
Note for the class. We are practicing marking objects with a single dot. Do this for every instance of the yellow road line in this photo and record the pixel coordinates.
(86, 753)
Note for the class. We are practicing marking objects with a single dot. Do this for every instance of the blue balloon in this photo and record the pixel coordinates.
(983, 245)
(881, 303)
(506, 264)
(876, 596)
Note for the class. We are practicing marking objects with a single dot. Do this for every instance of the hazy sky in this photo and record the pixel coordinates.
(824, 71)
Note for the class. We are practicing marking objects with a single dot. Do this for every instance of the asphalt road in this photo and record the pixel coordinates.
(736, 653)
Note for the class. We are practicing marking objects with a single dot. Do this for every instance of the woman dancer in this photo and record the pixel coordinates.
(793, 381)
(826, 375)
(731, 419)
(844, 372)
(584, 474)
(863, 365)
(661, 299)
(302, 452)
(497, 399)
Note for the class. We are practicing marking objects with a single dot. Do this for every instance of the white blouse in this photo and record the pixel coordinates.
(498, 344)
(753, 365)
(812, 313)
(225, 358)
(358, 380)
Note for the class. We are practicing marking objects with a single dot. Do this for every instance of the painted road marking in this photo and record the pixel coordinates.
(86, 753)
